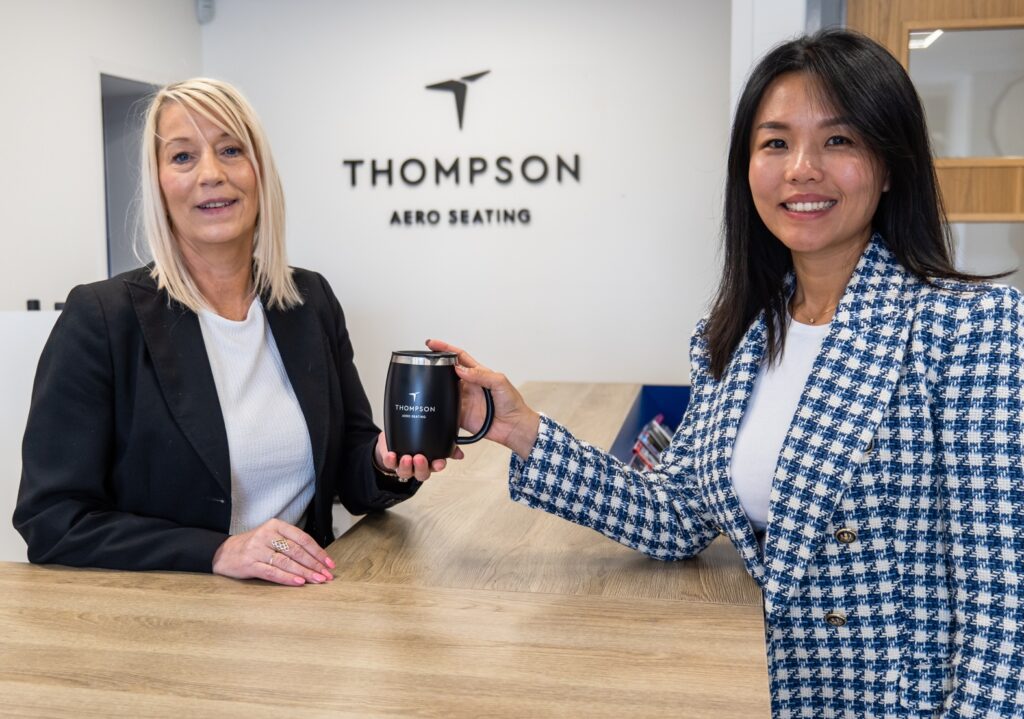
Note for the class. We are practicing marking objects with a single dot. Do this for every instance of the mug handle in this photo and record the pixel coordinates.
(488, 418)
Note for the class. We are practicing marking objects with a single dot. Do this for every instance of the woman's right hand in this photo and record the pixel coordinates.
(275, 551)
(515, 424)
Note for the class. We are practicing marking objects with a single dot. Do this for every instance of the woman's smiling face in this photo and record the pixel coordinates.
(207, 180)
(815, 183)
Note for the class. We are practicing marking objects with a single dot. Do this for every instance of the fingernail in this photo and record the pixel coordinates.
(299, 580)
(319, 577)
(330, 563)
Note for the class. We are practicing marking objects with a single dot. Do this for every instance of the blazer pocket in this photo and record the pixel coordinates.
(924, 685)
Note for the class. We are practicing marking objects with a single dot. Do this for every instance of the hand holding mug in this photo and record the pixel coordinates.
(515, 424)
(421, 406)
(408, 466)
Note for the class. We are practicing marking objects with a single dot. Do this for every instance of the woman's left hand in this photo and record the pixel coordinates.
(275, 551)
(408, 466)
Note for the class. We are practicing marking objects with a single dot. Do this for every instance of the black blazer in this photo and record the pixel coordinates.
(125, 457)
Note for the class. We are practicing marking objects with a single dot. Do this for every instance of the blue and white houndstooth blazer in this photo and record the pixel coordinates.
(895, 543)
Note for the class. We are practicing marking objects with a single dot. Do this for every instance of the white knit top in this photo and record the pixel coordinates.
(268, 441)
(766, 421)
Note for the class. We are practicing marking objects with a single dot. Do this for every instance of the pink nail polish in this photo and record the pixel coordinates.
(300, 580)
(330, 563)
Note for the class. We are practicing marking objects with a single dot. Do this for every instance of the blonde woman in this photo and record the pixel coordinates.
(202, 413)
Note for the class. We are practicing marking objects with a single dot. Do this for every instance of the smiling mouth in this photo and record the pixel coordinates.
(808, 206)
(216, 205)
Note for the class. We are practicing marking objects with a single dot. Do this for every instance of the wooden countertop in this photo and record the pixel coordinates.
(458, 603)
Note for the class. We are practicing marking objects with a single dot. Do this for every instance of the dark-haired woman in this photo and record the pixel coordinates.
(883, 516)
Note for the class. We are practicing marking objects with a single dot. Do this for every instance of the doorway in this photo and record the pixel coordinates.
(124, 104)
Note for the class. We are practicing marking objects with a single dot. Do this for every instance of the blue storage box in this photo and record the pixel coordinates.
(667, 400)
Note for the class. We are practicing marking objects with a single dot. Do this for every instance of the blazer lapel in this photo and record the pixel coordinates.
(300, 342)
(850, 386)
(182, 368)
(714, 453)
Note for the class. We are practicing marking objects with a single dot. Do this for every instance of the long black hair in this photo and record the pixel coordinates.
(868, 87)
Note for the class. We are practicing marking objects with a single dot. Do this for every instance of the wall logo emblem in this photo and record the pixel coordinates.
(414, 395)
(458, 88)
(452, 173)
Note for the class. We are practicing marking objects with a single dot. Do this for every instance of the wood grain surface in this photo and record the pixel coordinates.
(458, 603)
(467, 533)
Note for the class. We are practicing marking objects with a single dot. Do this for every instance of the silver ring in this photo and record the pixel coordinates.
(271, 562)
(280, 545)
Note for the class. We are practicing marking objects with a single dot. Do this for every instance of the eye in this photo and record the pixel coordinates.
(232, 151)
(180, 158)
(774, 144)
(838, 140)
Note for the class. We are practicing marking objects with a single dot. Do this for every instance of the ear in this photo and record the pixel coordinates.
(887, 182)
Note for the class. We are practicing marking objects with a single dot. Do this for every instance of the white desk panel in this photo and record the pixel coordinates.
(22, 336)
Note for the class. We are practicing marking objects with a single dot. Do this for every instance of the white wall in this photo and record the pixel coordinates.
(611, 275)
(757, 26)
(51, 198)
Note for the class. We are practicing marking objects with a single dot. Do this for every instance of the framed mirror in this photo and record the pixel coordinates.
(971, 81)
(978, 56)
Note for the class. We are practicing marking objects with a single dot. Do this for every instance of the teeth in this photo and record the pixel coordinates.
(214, 205)
(809, 206)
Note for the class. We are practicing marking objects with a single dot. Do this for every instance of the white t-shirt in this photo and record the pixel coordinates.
(765, 423)
(268, 441)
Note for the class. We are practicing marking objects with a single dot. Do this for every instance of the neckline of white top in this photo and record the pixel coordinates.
(797, 327)
(212, 316)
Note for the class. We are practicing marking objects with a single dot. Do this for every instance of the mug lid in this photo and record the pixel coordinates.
(423, 357)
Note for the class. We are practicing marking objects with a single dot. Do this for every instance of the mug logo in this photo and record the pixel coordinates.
(458, 88)
(414, 395)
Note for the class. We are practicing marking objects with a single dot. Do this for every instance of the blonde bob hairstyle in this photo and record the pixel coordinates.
(226, 108)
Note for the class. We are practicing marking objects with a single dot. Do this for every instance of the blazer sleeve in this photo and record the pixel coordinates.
(66, 508)
(359, 486)
(979, 438)
(658, 512)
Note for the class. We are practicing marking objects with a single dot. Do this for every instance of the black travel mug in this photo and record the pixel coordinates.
(421, 405)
